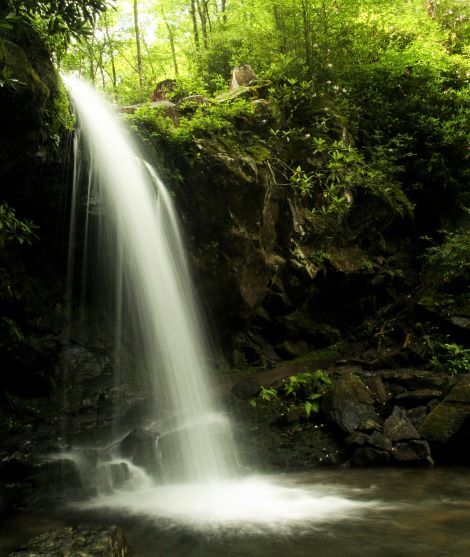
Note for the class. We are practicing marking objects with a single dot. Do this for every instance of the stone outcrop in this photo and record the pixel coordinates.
(447, 419)
(85, 541)
(350, 404)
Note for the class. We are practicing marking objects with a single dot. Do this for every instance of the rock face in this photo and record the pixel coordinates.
(83, 541)
(242, 76)
(447, 419)
(350, 404)
(160, 93)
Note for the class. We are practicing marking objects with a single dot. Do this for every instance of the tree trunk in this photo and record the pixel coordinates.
(111, 54)
(202, 19)
(171, 38)
(223, 9)
(192, 10)
(139, 50)
(306, 29)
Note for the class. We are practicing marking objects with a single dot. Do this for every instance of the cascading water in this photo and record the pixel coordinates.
(142, 248)
(197, 485)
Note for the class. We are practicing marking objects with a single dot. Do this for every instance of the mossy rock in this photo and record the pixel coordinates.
(446, 419)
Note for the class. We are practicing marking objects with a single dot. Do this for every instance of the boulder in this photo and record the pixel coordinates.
(162, 90)
(247, 388)
(242, 76)
(83, 541)
(397, 426)
(140, 447)
(379, 441)
(415, 452)
(419, 396)
(349, 404)
(368, 456)
(447, 418)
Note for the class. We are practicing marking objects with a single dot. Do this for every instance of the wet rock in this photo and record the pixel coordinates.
(368, 456)
(417, 415)
(349, 404)
(447, 418)
(379, 441)
(139, 446)
(357, 439)
(413, 379)
(413, 398)
(377, 388)
(416, 452)
(56, 476)
(369, 426)
(80, 541)
(398, 427)
(247, 388)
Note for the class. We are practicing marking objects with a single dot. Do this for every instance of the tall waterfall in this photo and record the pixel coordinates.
(141, 248)
(142, 256)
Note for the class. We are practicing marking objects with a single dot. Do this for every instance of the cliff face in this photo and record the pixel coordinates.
(34, 117)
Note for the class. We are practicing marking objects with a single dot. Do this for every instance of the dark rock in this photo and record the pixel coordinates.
(162, 90)
(398, 427)
(412, 398)
(368, 456)
(369, 426)
(247, 388)
(379, 441)
(357, 439)
(140, 446)
(83, 541)
(15, 468)
(417, 415)
(349, 403)
(413, 452)
(414, 379)
(447, 418)
(57, 476)
(377, 388)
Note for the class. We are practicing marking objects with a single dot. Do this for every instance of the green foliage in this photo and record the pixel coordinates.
(302, 391)
(72, 18)
(15, 411)
(450, 261)
(451, 357)
(12, 328)
(13, 229)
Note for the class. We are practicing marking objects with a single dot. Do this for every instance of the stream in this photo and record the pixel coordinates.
(393, 513)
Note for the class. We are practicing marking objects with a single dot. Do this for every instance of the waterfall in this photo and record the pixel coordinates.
(140, 250)
(131, 228)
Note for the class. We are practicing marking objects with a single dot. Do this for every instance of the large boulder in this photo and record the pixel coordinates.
(446, 419)
(398, 427)
(350, 404)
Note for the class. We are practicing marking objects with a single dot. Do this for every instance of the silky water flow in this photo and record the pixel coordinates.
(198, 482)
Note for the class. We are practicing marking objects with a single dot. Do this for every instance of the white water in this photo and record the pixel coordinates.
(148, 261)
(146, 255)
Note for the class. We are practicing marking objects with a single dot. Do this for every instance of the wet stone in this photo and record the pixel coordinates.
(368, 456)
(398, 427)
(414, 452)
(379, 441)
(80, 541)
(357, 439)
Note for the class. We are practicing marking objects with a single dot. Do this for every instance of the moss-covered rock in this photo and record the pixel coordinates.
(446, 419)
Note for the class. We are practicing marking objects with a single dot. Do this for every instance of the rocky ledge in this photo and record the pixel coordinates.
(402, 417)
(80, 541)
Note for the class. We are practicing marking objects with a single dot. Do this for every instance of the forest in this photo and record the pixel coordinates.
(317, 154)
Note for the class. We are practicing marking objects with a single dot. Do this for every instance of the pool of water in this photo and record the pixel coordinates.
(327, 513)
